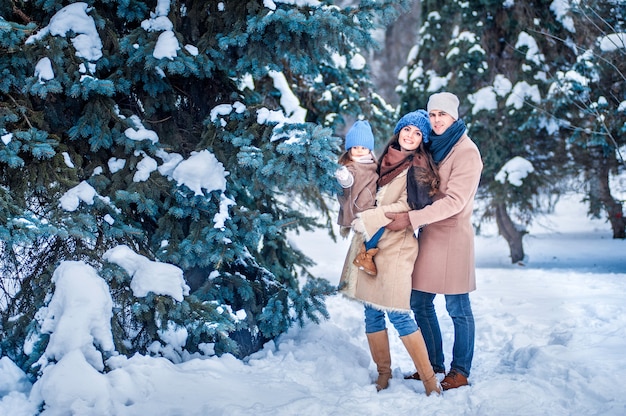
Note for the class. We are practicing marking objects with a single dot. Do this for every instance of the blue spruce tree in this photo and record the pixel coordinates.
(194, 133)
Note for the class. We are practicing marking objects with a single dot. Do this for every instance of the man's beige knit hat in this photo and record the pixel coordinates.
(444, 101)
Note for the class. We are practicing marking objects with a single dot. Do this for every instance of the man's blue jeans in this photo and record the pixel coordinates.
(460, 310)
(375, 321)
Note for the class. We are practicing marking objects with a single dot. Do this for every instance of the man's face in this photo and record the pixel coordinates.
(440, 121)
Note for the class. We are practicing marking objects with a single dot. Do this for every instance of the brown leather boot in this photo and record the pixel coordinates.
(365, 261)
(453, 380)
(416, 347)
(379, 347)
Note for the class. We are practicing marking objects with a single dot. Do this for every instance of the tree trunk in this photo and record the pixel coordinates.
(600, 197)
(400, 38)
(510, 232)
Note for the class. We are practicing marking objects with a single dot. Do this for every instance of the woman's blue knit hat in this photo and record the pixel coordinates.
(418, 119)
(360, 134)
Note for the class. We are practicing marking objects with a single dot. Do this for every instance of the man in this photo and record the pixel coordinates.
(445, 264)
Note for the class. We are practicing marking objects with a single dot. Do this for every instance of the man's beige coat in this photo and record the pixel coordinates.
(446, 260)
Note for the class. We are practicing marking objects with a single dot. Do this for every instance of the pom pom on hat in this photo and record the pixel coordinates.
(418, 119)
(360, 134)
(444, 101)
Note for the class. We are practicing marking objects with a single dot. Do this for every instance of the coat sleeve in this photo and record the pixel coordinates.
(375, 218)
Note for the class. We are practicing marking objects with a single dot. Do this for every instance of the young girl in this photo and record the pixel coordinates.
(403, 161)
(358, 176)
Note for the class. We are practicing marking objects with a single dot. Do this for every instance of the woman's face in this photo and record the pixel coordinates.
(440, 121)
(409, 138)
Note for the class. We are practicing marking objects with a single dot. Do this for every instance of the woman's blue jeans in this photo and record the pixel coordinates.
(375, 321)
(460, 310)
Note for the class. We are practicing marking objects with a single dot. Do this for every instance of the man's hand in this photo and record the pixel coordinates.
(400, 221)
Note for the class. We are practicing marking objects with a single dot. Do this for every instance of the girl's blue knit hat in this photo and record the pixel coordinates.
(418, 119)
(360, 134)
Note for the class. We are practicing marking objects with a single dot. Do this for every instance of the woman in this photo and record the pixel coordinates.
(403, 160)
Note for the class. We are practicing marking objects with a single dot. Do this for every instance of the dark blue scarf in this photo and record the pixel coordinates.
(440, 145)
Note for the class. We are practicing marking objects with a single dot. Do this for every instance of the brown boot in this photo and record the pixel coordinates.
(365, 261)
(379, 347)
(453, 380)
(416, 347)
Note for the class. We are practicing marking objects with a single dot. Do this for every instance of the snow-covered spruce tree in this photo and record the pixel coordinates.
(491, 54)
(589, 98)
(195, 133)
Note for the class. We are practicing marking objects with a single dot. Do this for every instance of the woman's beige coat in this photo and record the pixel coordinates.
(390, 289)
(446, 260)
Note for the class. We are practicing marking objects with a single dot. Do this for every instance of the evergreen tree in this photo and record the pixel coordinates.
(495, 56)
(109, 107)
(589, 98)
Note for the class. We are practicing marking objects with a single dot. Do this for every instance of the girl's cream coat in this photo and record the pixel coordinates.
(390, 290)
(446, 260)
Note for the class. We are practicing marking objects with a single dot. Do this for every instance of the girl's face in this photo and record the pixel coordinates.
(440, 121)
(358, 151)
(409, 138)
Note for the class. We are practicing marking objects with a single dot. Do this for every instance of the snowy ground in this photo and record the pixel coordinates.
(550, 341)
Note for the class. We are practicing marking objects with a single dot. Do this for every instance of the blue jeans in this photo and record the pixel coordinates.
(375, 321)
(460, 310)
